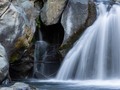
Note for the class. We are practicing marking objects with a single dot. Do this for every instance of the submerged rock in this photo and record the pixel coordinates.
(52, 10)
(21, 86)
(6, 88)
(4, 66)
(18, 86)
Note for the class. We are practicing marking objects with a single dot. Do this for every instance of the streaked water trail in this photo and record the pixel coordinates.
(96, 54)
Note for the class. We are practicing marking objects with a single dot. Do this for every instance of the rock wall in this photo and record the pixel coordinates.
(52, 10)
(17, 26)
(77, 16)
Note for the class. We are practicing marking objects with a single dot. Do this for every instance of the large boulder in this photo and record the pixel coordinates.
(17, 27)
(17, 23)
(4, 66)
(77, 16)
(52, 10)
(74, 16)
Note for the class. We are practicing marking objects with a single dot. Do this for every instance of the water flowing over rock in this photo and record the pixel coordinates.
(50, 13)
(96, 54)
(4, 66)
(47, 60)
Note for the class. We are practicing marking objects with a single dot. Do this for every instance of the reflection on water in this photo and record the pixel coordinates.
(72, 85)
(75, 85)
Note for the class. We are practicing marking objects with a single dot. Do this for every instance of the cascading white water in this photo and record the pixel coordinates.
(96, 55)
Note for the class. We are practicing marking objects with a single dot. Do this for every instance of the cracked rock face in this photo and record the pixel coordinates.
(78, 15)
(17, 26)
(74, 16)
(4, 66)
(52, 10)
(16, 19)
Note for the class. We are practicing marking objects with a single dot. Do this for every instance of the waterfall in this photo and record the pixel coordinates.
(39, 53)
(96, 54)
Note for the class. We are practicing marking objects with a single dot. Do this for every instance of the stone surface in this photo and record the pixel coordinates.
(116, 0)
(18, 86)
(17, 26)
(4, 66)
(52, 10)
(21, 86)
(21, 64)
(74, 16)
(77, 16)
(17, 23)
(6, 88)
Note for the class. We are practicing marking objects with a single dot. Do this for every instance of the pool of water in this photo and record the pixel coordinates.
(76, 85)
(72, 85)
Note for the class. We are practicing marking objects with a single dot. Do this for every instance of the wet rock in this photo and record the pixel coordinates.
(18, 86)
(77, 16)
(52, 10)
(21, 86)
(116, 0)
(74, 16)
(21, 65)
(4, 66)
(6, 88)
(17, 23)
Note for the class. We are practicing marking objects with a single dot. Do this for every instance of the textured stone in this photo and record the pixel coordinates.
(77, 16)
(17, 26)
(19, 86)
(52, 10)
(4, 66)
(116, 0)
(74, 16)
(17, 18)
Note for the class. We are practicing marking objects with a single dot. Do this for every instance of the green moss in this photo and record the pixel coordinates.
(38, 22)
(14, 57)
(72, 39)
(90, 20)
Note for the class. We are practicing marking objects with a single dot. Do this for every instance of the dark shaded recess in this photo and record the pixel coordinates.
(49, 62)
(22, 67)
(53, 34)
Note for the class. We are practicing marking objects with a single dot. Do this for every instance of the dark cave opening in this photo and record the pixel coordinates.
(51, 58)
(52, 34)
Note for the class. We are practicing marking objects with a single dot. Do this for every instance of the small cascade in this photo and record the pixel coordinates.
(40, 49)
(40, 36)
(39, 53)
(96, 54)
(47, 58)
